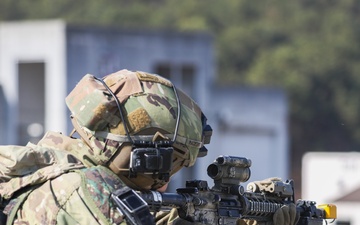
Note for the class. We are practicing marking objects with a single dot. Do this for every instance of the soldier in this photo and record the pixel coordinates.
(132, 131)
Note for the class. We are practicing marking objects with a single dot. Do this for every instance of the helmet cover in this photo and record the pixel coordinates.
(150, 105)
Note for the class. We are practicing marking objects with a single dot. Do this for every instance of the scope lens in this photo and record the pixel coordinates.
(212, 170)
(220, 160)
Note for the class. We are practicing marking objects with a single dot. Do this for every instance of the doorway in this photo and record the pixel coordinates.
(31, 92)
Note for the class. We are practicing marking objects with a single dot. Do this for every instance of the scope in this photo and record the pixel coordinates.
(229, 170)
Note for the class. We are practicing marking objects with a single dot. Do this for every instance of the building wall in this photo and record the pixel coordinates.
(33, 42)
(251, 123)
(102, 51)
(348, 213)
(3, 115)
(328, 176)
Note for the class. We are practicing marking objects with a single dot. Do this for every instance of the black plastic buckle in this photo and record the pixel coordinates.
(156, 160)
(132, 206)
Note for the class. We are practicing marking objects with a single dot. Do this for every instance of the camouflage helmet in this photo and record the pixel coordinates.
(129, 108)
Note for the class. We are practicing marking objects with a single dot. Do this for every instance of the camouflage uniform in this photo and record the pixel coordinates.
(56, 188)
(63, 180)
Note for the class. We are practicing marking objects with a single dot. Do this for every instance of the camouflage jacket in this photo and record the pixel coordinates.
(43, 184)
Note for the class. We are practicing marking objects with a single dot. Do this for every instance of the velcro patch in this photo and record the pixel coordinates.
(153, 78)
(138, 120)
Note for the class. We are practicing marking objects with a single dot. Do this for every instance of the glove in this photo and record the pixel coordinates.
(248, 222)
(286, 215)
(170, 218)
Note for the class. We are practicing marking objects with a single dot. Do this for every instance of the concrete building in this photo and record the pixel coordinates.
(252, 123)
(41, 61)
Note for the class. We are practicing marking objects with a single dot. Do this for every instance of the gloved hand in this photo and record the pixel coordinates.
(286, 215)
(170, 218)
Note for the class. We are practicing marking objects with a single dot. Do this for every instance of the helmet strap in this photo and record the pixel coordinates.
(80, 131)
(120, 162)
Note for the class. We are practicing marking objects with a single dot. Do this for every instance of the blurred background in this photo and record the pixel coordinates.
(278, 80)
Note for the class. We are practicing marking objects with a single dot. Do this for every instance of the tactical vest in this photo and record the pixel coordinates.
(43, 185)
(76, 197)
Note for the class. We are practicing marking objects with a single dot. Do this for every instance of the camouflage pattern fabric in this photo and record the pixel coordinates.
(79, 197)
(52, 187)
(19, 161)
(170, 218)
(149, 102)
(23, 166)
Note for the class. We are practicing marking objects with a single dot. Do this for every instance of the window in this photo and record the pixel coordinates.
(182, 75)
(31, 88)
(187, 81)
(163, 70)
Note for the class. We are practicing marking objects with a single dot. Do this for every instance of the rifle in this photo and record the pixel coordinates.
(227, 201)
